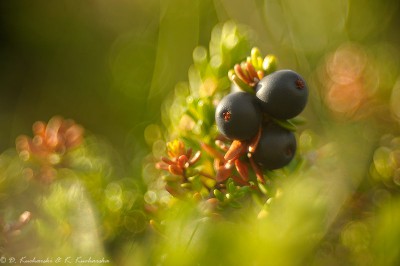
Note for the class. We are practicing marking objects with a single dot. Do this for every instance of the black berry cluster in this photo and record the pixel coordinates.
(278, 96)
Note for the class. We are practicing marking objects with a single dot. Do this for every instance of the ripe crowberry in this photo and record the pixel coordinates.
(276, 148)
(282, 94)
(238, 116)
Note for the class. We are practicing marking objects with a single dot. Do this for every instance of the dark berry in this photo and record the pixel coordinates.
(282, 94)
(238, 116)
(276, 148)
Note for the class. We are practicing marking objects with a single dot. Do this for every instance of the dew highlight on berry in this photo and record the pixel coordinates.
(227, 116)
(299, 84)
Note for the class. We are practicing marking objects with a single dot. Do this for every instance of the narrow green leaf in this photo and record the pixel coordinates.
(218, 194)
(231, 186)
(285, 124)
(298, 120)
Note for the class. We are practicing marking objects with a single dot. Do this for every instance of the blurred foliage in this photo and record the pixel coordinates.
(124, 70)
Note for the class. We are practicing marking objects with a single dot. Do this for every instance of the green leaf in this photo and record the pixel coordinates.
(298, 120)
(218, 194)
(270, 64)
(285, 124)
(231, 186)
(235, 204)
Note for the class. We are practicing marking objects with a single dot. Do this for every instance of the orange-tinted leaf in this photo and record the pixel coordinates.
(242, 169)
(239, 180)
(236, 149)
(223, 173)
(174, 169)
(252, 72)
(239, 72)
(183, 161)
